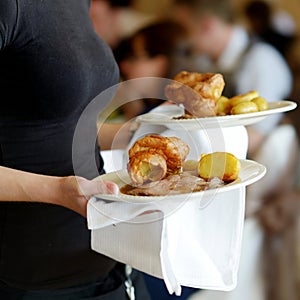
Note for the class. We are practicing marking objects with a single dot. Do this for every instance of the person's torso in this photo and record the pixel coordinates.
(52, 64)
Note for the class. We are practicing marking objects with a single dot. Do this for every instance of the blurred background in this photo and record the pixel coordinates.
(291, 7)
(127, 16)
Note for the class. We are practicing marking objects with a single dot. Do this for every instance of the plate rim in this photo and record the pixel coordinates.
(285, 106)
(245, 163)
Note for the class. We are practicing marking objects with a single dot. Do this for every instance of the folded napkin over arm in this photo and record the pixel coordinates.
(184, 244)
(193, 242)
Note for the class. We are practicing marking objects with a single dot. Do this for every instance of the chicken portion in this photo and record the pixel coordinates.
(198, 92)
(153, 157)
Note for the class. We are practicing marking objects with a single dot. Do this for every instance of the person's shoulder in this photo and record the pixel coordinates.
(8, 8)
(264, 52)
(8, 19)
(253, 44)
(264, 48)
(266, 60)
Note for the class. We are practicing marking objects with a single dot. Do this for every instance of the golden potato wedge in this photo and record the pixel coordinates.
(224, 106)
(243, 97)
(244, 108)
(261, 103)
(223, 165)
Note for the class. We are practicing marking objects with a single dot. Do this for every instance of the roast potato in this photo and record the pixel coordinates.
(261, 103)
(223, 165)
(244, 108)
(247, 103)
(224, 106)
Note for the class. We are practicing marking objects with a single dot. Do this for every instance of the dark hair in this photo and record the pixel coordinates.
(118, 3)
(162, 37)
(260, 11)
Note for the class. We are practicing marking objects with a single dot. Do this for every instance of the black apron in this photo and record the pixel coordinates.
(111, 287)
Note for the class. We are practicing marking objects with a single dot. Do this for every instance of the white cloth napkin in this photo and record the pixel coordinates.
(182, 243)
(185, 243)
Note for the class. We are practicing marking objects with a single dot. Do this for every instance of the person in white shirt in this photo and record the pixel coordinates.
(221, 45)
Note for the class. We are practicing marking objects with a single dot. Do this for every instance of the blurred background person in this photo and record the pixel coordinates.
(116, 19)
(219, 44)
(149, 52)
(278, 29)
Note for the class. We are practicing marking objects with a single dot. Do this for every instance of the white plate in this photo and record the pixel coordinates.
(251, 172)
(165, 114)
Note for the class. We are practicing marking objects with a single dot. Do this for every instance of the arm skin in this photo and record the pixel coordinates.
(118, 135)
(71, 192)
(115, 135)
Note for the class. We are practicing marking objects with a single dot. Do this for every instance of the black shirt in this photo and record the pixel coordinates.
(52, 64)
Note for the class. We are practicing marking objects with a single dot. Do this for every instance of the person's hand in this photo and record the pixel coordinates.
(77, 191)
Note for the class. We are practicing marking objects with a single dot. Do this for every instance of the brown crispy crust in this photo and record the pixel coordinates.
(198, 92)
(173, 149)
(153, 149)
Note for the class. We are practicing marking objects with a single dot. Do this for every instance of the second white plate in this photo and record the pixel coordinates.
(164, 115)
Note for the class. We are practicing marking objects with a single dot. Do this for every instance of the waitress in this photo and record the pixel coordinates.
(52, 64)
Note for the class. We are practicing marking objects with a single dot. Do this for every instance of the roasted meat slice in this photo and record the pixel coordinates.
(183, 183)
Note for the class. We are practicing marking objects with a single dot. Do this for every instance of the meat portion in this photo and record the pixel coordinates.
(197, 92)
(183, 183)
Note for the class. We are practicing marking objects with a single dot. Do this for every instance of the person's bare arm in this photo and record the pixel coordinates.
(71, 192)
(115, 135)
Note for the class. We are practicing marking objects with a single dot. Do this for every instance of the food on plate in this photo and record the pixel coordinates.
(201, 96)
(158, 166)
(243, 97)
(182, 183)
(153, 157)
(190, 165)
(261, 103)
(244, 108)
(224, 106)
(241, 104)
(197, 92)
(222, 165)
(147, 166)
